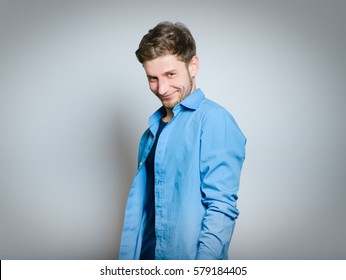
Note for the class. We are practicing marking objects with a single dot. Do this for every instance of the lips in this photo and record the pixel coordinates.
(168, 96)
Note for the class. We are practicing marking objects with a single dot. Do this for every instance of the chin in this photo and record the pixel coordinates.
(170, 105)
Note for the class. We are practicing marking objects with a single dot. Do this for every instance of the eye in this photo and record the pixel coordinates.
(171, 75)
(152, 79)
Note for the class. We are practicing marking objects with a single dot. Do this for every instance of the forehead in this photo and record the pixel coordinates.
(163, 64)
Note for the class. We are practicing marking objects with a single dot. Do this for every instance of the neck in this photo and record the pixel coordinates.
(168, 116)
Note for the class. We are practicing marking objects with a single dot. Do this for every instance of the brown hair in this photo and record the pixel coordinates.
(167, 38)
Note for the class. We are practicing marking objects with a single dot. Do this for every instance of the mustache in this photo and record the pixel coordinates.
(169, 93)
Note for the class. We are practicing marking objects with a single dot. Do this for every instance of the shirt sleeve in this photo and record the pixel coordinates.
(221, 158)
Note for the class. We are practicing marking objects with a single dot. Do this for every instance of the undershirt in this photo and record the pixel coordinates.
(149, 238)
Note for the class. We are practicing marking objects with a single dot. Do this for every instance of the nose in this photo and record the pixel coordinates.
(162, 87)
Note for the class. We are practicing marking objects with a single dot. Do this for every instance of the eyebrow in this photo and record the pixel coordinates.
(165, 73)
(150, 76)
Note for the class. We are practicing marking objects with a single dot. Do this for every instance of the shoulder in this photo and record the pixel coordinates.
(217, 119)
(210, 110)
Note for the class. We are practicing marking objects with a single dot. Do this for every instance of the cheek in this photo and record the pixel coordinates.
(153, 87)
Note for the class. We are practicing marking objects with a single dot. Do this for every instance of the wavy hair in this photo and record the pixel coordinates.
(167, 38)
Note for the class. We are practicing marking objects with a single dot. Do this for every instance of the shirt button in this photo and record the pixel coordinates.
(141, 163)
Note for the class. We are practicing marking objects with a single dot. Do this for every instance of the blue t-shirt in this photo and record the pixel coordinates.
(149, 239)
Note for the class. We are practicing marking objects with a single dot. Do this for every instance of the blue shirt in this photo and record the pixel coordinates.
(198, 162)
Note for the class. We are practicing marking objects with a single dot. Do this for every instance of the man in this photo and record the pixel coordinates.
(182, 203)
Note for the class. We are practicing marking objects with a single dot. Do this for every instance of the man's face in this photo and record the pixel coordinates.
(170, 79)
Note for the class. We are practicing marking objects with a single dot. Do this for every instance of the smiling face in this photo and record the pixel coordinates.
(171, 79)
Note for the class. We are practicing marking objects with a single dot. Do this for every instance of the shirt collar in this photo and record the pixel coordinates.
(193, 100)
(157, 116)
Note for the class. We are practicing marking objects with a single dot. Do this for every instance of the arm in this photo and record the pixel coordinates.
(221, 157)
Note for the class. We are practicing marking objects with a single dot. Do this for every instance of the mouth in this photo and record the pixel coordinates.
(168, 96)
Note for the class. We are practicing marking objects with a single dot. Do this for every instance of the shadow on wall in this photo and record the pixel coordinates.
(126, 142)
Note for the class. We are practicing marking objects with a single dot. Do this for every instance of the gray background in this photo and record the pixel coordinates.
(74, 102)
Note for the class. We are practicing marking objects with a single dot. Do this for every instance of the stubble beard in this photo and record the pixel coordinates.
(182, 95)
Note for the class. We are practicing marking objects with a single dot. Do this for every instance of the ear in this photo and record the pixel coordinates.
(194, 66)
